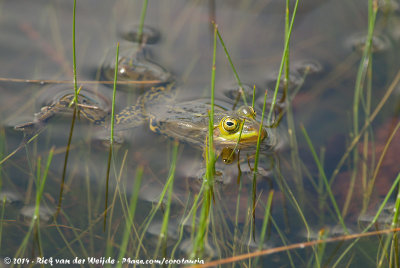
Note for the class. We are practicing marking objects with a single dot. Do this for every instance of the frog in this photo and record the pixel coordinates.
(188, 121)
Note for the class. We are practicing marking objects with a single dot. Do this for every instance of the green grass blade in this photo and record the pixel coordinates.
(74, 54)
(323, 175)
(160, 201)
(237, 211)
(112, 136)
(267, 215)
(287, 65)
(208, 180)
(283, 60)
(362, 69)
(164, 228)
(254, 96)
(36, 218)
(257, 156)
(232, 66)
(131, 214)
(181, 227)
(71, 131)
(142, 18)
(3, 210)
(114, 93)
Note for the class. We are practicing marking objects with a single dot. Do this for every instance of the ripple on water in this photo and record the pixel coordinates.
(233, 91)
(326, 231)
(209, 249)
(295, 80)
(152, 191)
(10, 197)
(150, 35)
(173, 227)
(133, 66)
(388, 5)
(385, 217)
(45, 213)
(308, 67)
(356, 42)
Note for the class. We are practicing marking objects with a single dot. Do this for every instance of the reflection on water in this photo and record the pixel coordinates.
(324, 56)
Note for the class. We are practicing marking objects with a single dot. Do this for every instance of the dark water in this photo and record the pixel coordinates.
(36, 44)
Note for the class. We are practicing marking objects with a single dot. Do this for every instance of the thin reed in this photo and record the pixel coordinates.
(74, 54)
(208, 181)
(241, 90)
(112, 135)
(131, 214)
(142, 18)
(285, 54)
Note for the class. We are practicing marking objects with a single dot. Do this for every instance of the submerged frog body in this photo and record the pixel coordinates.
(189, 121)
(91, 106)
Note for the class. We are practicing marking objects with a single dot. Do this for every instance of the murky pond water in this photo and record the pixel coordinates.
(327, 43)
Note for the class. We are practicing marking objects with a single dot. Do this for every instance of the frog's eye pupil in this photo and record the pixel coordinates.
(229, 124)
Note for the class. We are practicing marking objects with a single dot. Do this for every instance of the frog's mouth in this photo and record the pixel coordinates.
(249, 136)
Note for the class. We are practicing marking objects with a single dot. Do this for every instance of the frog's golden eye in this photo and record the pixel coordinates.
(230, 124)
